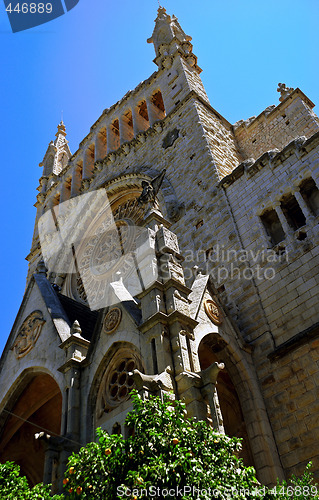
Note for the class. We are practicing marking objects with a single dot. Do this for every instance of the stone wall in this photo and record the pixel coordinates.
(284, 332)
(215, 203)
(277, 126)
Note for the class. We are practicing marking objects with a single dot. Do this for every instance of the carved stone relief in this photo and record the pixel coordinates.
(170, 138)
(112, 320)
(213, 311)
(28, 334)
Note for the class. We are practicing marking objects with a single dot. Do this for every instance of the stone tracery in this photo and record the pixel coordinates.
(117, 381)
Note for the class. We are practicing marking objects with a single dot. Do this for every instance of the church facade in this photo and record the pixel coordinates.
(172, 252)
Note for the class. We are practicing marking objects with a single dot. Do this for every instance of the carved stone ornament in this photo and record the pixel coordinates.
(28, 334)
(117, 381)
(213, 311)
(112, 320)
(170, 138)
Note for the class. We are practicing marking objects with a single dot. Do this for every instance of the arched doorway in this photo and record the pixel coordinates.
(233, 418)
(34, 406)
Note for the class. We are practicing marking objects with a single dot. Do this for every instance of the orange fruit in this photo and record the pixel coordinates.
(175, 441)
(66, 480)
(70, 490)
(108, 451)
(79, 490)
(71, 470)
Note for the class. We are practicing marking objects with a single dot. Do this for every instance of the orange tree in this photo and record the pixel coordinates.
(169, 457)
(14, 486)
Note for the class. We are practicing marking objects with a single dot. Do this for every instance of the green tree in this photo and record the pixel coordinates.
(168, 456)
(13, 486)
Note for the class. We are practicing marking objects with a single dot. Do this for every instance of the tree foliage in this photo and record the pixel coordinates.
(166, 457)
(170, 457)
(13, 486)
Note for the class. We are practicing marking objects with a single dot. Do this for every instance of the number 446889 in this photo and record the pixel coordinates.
(32, 8)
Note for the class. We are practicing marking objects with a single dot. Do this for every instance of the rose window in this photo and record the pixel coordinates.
(120, 382)
(117, 381)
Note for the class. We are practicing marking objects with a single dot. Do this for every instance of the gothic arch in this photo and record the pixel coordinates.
(240, 375)
(121, 358)
(33, 404)
(132, 181)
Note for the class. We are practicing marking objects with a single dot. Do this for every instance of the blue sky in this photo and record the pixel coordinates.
(89, 58)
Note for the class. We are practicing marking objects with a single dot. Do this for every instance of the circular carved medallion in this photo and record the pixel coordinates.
(112, 320)
(213, 311)
(28, 334)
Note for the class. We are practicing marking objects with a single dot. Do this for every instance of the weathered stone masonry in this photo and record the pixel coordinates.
(234, 227)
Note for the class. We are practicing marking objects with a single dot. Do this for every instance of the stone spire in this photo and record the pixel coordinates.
(166, 29)
(169, 37)
(57, 154)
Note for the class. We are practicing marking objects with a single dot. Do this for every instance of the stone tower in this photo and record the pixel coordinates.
(173, 252)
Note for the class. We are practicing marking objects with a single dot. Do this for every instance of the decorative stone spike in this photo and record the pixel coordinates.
(41, 267)
(76, 329)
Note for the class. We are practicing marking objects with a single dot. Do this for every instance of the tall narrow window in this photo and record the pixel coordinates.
(142, 112)
(310, 194)
(158, 105)
(273, 226)
(293, 212)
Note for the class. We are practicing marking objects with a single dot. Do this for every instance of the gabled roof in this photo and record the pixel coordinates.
(76, 311)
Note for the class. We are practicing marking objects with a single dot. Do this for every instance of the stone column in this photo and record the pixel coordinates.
(152, 111)
(209, 392)
(138, 121)
(76, 181)
(108, 138)
(100, 146)
(88, 165)
(315, 172)
(304, 207)
(64, 197)
(76, 348)
(124, 131)
(50, 455)
(287, 229)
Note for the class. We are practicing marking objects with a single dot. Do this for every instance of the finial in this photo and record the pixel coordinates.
(61, 129)
(284, 91)
(41, 267)
(76, 329)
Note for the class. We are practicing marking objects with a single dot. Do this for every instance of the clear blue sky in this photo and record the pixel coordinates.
(89, 58)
